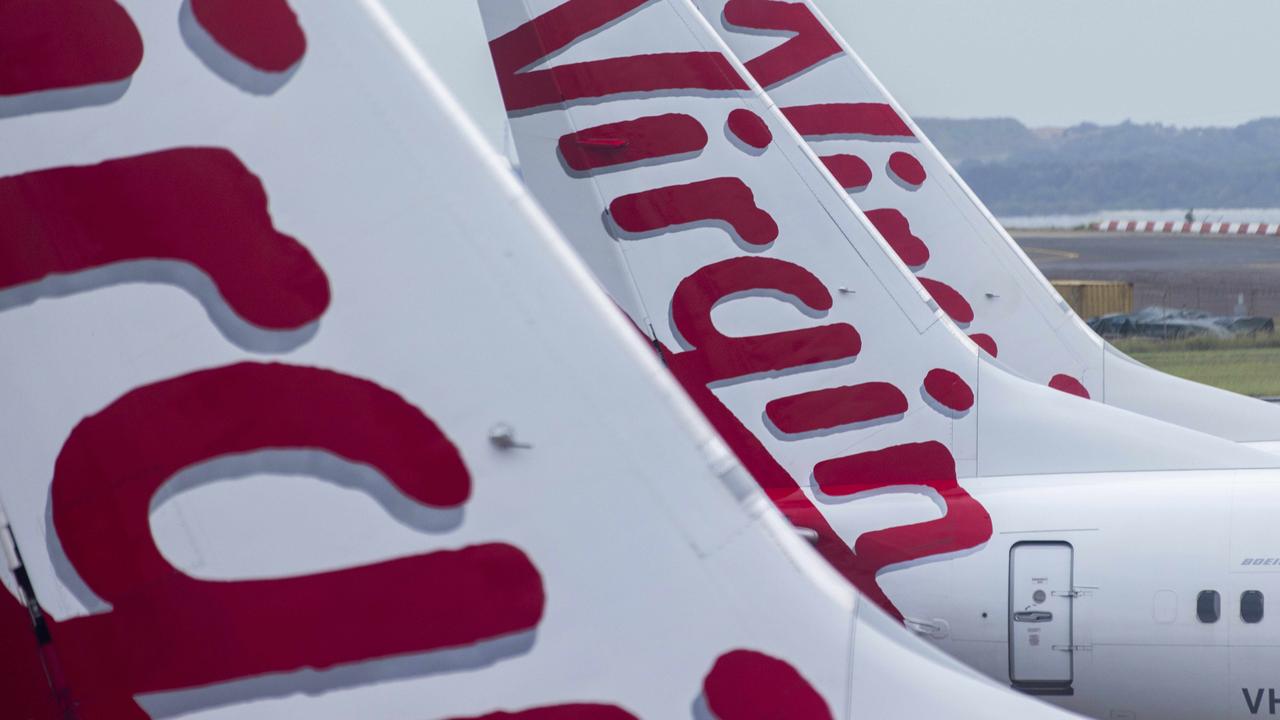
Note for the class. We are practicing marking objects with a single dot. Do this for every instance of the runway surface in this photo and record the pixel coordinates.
(1085, 255)
(1207, 272)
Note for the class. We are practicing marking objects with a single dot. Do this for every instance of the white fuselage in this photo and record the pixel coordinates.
(1089, 592)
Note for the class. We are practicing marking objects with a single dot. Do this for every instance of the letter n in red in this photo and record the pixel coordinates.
(561, 27)
(809, 45)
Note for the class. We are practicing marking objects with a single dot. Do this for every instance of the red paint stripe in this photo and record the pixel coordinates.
(1224, 229)
(913, 464)
(107, 475)
(1069, 385)
(263, 33)
(965, 523)
(727, 200)
(833, 407)
(562, 26)
(987, 343)
(715, 357)
(195, 205)
(809, 45)
(750, 128)
(23, 683)
(949, 299)
(53, 44)
(562, 712)
(749, 685)
(851, 171)
(876, 119)
(907, 168)
(631, 141)
(949, 389)
(896, 229)
(721, 357)
(1131, 226)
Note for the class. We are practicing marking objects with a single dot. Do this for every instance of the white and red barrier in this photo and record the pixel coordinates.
(1188, 228)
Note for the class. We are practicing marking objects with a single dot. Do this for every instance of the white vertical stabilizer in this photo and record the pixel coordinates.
(908, 189)
(309, 412)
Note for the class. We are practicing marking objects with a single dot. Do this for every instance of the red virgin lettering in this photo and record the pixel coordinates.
(905, 168)
(720, 357)
(875, 119)
(727, 200)
(262, 33)
(24, 684)
(562, 26)
(55, 44)
(741, 685)
(835, 407)
(986, 342)
(1069, 385)
(113, 464)
(949, 299)
(912, 464)
(809, 45)
(949, 389)
(750, 128)
(716, 357)
(563, 712)
(896, 230)
(851, 171)
(195, 205)
(749, 685)
(632, 141)
(964, 525)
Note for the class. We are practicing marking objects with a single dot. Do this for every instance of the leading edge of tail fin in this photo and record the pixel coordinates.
(907, 188)
(797, 329)
(383, 449)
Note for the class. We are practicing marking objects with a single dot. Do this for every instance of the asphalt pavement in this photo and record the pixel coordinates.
(1206, 272)
(1089, 255)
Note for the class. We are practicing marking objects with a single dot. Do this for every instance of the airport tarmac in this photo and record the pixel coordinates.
(1206, 272)
(1211, 273)
(1073, 253)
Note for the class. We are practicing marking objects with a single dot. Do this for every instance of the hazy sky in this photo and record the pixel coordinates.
(1045, 62)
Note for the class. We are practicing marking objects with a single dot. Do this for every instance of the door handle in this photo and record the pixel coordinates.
(1033, 616)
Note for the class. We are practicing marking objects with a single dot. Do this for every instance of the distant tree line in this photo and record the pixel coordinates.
(1089, 168)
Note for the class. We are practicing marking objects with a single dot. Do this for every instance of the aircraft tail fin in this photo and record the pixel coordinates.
(907, 188)
(309, 412)
(797, 326)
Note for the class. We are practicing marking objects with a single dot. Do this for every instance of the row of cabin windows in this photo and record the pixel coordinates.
(1209, 606)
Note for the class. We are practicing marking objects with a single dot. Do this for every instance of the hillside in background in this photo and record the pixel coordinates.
(1021, 171)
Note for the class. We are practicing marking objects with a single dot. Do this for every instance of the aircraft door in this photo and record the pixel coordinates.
(1040, 604)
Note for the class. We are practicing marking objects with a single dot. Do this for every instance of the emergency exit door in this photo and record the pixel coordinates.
(1040, 601)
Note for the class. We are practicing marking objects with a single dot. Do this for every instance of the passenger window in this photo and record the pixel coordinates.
(1251, 606)
(1208, 606)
